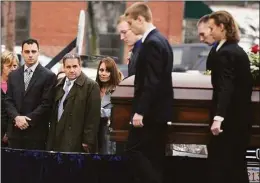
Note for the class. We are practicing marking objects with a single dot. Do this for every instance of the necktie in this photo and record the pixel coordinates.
(27, 77)
(66, 90)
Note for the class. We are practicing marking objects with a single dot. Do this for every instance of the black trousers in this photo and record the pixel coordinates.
(26, 144)
(146, 149)
(226, 158)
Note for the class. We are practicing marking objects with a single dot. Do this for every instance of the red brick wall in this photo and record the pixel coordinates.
(55, 24)
(167, 17)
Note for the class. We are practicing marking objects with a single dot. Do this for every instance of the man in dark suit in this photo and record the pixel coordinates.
(232, 88)
(132, 40)
(29, 100)
(153, 96)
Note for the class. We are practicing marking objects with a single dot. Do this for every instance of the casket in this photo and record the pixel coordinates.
(192, 110)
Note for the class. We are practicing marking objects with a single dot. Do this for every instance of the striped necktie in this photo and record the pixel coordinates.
(27, 77)
(66, 90)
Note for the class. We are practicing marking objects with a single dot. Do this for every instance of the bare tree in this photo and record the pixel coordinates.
(93, 33)
(10, 25)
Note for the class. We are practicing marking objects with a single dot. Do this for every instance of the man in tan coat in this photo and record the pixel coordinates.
(76, 111)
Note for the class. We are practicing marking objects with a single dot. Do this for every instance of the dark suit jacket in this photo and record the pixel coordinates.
(153, 95)
(232, 87)
(35, 102)
(4, 116)
(133, 58)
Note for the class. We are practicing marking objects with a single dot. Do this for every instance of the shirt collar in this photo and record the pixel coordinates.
(33, 67)
(152, 27)
(220, 44)
(72, 81)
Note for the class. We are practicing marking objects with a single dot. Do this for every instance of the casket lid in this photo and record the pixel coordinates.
(192, 79)
(191, 85)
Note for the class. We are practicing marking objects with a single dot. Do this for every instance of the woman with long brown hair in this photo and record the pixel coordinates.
(9, 62)
(108, 77)
(232, 89)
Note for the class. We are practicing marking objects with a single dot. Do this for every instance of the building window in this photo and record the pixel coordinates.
(106, 15)
(2, 15)
(22, 21)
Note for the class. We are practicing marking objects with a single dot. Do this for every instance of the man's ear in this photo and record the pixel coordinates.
(222, 27)
(140, 18)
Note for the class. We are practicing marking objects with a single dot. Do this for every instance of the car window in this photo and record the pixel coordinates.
(190, 57)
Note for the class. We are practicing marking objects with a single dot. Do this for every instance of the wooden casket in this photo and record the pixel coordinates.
(191, 110)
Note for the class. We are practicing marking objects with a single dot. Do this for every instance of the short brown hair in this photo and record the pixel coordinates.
(115, 75)
(231, 27)
(203, 19)
(139, 9)
(8, 58)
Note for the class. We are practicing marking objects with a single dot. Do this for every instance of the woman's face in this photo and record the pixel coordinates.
(104, 74)
(7, 68)
(217, 32)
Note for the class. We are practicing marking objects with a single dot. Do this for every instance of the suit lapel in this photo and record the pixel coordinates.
(35, 76)
(59, 94)
(20, 80)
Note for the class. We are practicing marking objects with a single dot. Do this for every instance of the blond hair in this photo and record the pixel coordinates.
(8, 58)
(121, 19)
(139, 9)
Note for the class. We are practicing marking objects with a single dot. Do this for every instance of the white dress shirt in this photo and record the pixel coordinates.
(72, 83)
(220, 44)
(33, 67)
(152, 27)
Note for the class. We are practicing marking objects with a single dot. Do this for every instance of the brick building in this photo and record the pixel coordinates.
(55, 24)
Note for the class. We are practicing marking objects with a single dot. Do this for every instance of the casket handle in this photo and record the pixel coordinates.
(187, 124)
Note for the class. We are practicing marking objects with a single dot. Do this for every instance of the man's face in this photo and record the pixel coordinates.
(126, 34)
(136, 26)
(30, 53)
(72, 68)
(217, 32)
(205, 34)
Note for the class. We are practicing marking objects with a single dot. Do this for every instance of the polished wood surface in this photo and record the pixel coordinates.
(191, 110)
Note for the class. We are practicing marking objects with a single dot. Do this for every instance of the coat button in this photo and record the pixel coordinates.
(70, 114)
(69, 127)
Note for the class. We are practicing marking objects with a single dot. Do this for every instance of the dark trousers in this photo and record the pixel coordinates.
(103, 136)
(226, 158)
(146, 149)
(26, 144)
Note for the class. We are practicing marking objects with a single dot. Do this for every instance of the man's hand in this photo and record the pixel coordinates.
(215, 127)
(20, 122)
(138, 120)
(5, 139)
(86, 148)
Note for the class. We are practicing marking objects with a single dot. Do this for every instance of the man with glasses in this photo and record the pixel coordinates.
(29, 100)
(133, 42)
(76, 113)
